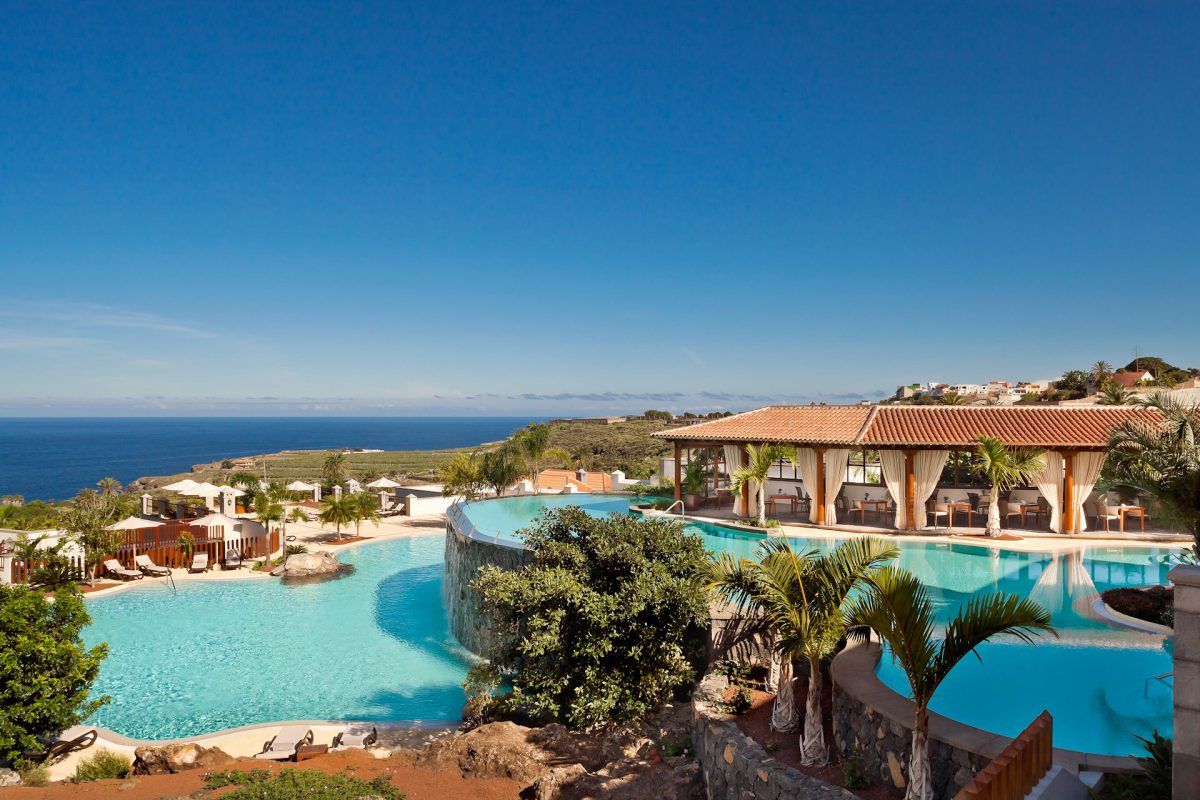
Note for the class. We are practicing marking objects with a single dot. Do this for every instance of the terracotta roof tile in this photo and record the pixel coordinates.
(917, 426)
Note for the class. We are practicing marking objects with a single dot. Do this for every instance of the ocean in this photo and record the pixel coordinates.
(52, 459)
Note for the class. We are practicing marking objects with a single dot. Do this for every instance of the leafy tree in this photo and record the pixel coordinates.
(500, 469)
(109, 487)
(46, 672)
(533, 444)
(333, 470)
(759, 460)
(1114, 394)
(243, 480)
(1161, 460)
(1072, 384)
(365, 508)
(462, 476)
(86, 520)
(604, 625)
(899, 610)
(801, 596)
(1003, 468)
(266, 511)
(337, 511)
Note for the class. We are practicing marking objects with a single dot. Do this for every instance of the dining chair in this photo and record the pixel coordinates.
(1012, 508)
(937, 510)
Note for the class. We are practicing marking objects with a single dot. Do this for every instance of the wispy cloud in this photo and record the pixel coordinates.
(694, 357)
(89, 315)
(8, 342)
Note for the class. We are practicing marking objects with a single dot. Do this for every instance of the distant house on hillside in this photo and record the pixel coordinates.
(590, 420)
(1130, 380)
(582, 481)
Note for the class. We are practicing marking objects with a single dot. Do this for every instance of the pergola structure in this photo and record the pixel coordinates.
(914, 442)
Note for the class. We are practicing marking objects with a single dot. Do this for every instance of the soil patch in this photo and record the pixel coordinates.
(419, 783)
(1151, 604)
(756, 723)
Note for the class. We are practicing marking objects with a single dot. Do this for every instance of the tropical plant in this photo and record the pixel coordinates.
(605, 623)
(1114, 394)
(533, 446)
(500, 468)
(267, 511)
(801, 596)
(46, 671)
(109, 487)
(897, 607)
(1162, 460)
(103, 765)
(365, 508)
(50, 567)
(337, 511)
(333, 470)
(86, 520)
(759, 460)
(186, 544)
(1003, 468)
(297, 514)
(243, 480)
(462, 476)
(583, 456)
(953, 399)
(695, 477)
(1101, 372)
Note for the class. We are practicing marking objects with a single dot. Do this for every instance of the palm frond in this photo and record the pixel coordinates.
(982, 618)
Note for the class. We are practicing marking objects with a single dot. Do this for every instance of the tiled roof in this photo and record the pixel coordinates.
(559, 478)
(815, 424)
(918, 426)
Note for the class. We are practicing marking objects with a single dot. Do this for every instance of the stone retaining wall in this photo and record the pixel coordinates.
(736, 767)
(464, 557)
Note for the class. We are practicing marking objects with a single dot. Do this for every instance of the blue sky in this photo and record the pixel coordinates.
(586, 207)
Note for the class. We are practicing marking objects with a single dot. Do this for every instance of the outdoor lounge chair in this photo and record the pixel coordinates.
(199, 563)
(113, 567)
(148, 567)
(58, 747)
(233, 558)
(284, 744)
(347, 739)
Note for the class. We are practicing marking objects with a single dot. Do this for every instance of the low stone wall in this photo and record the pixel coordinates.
(736, 767)
(870, 718)
(464, 557)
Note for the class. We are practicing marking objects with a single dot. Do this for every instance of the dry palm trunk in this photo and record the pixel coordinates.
(783, 713)
(993, 523)
(813, 752)
(920, 784)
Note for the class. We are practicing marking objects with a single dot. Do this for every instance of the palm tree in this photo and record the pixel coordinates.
(337, 511)
(333, 470)
(1100, 373)
(266, 511)
(109, 487)
(533, 444)
(365, 508)
(500, 468)
(243, 480)
(801, 596)
(953, 399)
(759, 461)
(1114, 394)
(1161, 460)
(1004, 467)
(898, 609)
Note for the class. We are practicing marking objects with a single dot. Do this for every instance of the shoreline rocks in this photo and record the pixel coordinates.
(308, 567)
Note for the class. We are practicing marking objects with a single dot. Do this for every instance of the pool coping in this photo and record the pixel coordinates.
(1110, 614)
(854, 670)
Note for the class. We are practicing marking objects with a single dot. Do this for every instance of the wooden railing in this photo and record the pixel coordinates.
(1013, 774)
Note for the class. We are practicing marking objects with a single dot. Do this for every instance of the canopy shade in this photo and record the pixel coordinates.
(300, 486)
(202, 490)
(383, 483)
(212, 520)
(179, 486)
(225, 489)
(133, 523)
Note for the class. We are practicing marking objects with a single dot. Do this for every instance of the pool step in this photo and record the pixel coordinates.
(1059, 784)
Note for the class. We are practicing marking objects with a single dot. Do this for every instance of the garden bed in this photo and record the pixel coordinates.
(1151, 604)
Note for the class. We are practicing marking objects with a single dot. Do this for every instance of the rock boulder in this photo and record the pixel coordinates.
(311, 566)
(173, 758)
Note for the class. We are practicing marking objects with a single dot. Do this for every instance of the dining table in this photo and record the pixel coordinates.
(964, 506)
(778, 499)
(880, 507)
(1132, 511)
(1031, 508)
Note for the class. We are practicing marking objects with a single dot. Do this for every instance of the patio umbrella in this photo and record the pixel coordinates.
(226, 489)
(383, 483)
(300, 486)
(133, 523)
(202, 490)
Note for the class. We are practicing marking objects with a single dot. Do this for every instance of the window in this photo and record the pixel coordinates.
(864, 468)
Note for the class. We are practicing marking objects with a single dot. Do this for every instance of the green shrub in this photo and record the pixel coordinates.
(32, 774)
(854, 771)
(671, 746)
(103, 766)
(606, 623)
(772, 746)
(290, 784)
(297, 549)
(45, 670)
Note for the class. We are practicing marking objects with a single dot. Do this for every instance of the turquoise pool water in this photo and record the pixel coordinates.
(372, 646)
(1096, 679)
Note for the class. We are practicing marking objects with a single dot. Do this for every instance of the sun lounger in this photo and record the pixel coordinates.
(56, 748)
(148, 567)
(199, 563)
(347, 739)
(284, 744)
(113, 567)
(233, 559)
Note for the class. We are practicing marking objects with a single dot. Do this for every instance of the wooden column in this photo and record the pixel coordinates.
(746, 485)
(819, 496)
(1069, 523)
(910, 490)
(678, 473)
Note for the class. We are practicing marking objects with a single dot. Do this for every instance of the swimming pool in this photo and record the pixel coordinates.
(373, 646)
(1099, 681)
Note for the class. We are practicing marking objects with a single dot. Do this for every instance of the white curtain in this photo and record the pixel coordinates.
(835, 476)
(733, 460)
(1049, 483)
(927, 466)
(1086, 470)
(893, 478)
(806, 462)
